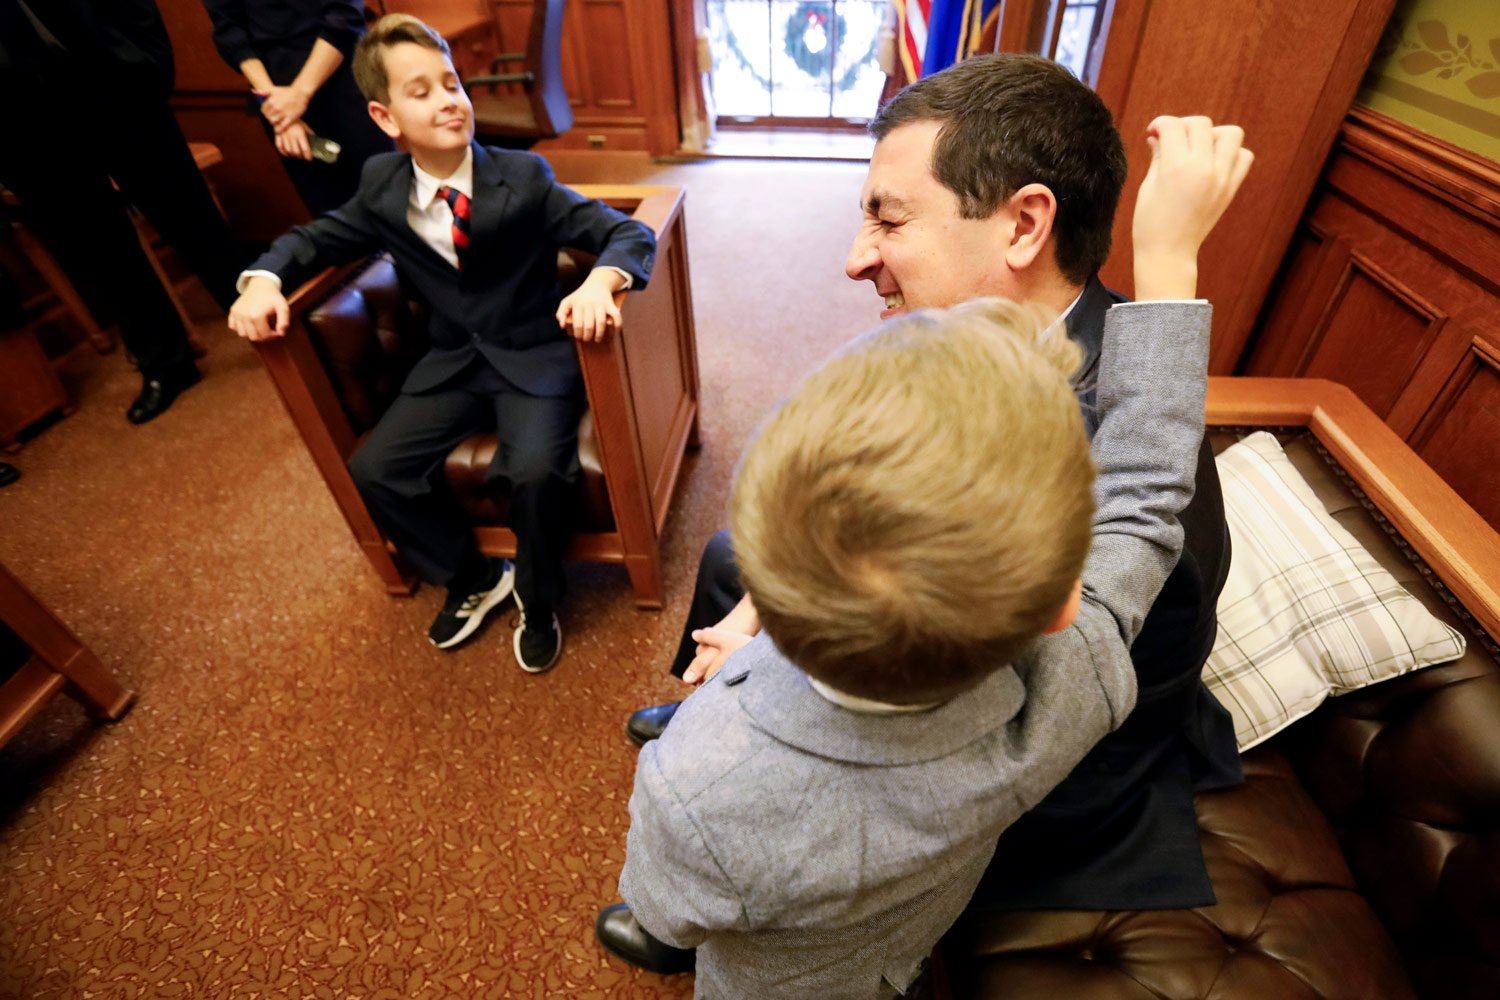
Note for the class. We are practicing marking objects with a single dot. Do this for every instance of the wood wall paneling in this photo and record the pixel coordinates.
(1290, 295)
(1285, 70)
(1370, 307)
(1461, 438)
(617, 69)
(604, 25)
(1393, 288)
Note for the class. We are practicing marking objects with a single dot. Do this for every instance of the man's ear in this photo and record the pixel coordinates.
(1068, 613)
(1034, 208)
(382, 117)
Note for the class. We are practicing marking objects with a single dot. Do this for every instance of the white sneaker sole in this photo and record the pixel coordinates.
(494, 599)
(515, 645)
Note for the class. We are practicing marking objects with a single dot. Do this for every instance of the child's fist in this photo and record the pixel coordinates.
(1196, 168)
(589, 312)
(260, 313)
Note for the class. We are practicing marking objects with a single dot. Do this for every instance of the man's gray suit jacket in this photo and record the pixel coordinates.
(809, 851)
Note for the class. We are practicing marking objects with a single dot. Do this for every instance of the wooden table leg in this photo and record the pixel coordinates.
(59, 660)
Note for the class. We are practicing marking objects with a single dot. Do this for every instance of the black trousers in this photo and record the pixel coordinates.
(715, 594)
(61, 174)
(338, 112)
(399, 472)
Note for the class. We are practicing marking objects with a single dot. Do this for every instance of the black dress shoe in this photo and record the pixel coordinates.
(647, 724)
(8, 473)
(626, 939)
(158, 393)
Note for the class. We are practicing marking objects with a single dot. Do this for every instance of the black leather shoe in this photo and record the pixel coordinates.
(647, 724)
(158, 393)
(8, 473)
(624, 938)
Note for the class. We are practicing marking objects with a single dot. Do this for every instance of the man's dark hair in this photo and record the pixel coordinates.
(1009, 120)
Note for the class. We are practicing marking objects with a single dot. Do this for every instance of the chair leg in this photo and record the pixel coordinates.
(55, 646)
(398, 582)
(194, 342)
(645, 579)
(102, 340)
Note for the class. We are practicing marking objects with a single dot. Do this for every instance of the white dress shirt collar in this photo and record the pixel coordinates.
(425, 186)
(864, 706)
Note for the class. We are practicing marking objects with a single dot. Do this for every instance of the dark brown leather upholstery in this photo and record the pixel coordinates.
(1360, 859)
(368, 335)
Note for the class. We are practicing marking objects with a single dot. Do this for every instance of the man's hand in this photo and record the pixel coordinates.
(260, 313)
(714, 646)
(292, 142)
(591, 309)
(283, 107)
(1196, 168)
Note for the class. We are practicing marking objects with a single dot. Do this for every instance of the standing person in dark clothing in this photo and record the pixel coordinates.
(86, 85)
(296, 55)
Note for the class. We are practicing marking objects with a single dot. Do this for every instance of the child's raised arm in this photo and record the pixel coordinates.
(1153, 376)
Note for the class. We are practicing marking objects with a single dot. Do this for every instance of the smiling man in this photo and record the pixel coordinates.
(1001, 176)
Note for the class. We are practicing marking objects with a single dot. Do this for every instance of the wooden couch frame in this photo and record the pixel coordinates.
(1461, 547)
(642, 388)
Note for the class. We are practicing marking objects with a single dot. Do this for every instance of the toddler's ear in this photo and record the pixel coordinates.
(1068, 612)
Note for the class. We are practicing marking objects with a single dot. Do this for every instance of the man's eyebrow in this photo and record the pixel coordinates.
(883, 199)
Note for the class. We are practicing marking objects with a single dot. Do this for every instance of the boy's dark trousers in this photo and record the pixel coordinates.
(399, 472)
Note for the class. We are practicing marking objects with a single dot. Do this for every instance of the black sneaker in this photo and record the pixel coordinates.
(538, 640)
(464, 612)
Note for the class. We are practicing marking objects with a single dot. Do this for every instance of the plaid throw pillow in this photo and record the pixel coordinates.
(1306, 612)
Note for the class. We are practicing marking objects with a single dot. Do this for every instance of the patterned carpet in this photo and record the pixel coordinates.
(308, 800)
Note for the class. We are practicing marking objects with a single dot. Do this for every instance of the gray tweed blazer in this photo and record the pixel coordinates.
(809, 851)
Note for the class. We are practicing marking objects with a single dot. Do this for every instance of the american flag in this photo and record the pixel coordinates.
(935, 34)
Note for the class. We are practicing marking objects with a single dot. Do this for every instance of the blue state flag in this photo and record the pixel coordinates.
(955, 29)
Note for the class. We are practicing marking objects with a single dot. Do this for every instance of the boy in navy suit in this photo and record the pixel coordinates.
(475, 232)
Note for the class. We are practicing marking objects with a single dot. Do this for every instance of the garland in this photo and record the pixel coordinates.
(807, 15)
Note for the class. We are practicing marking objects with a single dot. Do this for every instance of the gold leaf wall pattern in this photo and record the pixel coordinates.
(1438, 68)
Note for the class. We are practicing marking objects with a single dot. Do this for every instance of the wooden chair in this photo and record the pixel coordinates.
(52, 659)
(516, 110)
(353, 336)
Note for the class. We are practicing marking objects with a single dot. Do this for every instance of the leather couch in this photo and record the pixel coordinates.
(1361, 858)
(355, 334)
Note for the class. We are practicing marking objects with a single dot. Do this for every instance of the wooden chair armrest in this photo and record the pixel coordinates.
(298, 372)
(1459, 545)
(493, 79)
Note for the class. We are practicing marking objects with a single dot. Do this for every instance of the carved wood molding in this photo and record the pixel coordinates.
(1465, 180)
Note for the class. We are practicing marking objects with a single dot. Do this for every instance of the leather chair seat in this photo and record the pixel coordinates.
(369, 335)
(1359, 856)
(468, 464)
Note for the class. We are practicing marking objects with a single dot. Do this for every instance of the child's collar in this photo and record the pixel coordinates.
(865, 706)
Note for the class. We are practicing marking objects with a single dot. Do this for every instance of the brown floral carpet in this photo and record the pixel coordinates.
(308, 800)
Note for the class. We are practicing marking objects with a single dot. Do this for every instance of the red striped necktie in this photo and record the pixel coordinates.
(459, 202)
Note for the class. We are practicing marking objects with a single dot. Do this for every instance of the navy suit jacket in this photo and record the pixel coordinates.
(1120, 832)
(502, 305)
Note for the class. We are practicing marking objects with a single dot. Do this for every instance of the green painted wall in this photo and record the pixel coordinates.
(1438, 68)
